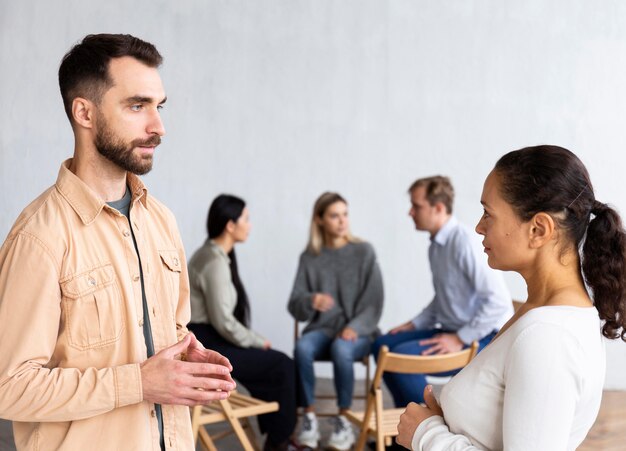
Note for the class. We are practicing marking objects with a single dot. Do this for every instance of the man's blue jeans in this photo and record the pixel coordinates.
(406, 388)
(316, 345)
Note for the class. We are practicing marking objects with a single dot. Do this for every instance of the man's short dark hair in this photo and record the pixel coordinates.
(438, 189)
(84, 70)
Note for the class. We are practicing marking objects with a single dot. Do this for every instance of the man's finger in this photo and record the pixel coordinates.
(206, 383)
(177, 348)
(431, 350)
(203, 368)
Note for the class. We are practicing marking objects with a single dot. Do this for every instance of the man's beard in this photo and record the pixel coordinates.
(114, 149)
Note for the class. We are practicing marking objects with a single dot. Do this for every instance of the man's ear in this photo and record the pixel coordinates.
(440, 208)
(83, 112)
(542, 229)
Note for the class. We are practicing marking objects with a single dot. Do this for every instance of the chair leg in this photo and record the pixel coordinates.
(236, 425)
(205, 439)
(247, 427)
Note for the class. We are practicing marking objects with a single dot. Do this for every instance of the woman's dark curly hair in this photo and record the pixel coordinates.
(553, 180)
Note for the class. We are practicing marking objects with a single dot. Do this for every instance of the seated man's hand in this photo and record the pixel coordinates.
(406, 327)
(166, 380)
(442, 344)
(414, 415)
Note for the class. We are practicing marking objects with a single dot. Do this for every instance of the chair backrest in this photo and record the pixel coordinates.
(402, 363)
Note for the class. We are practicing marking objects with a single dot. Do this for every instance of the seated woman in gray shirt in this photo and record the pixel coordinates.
(338, 290)
(220, 318)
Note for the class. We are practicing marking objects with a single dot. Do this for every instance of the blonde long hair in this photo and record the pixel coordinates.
(316, 235)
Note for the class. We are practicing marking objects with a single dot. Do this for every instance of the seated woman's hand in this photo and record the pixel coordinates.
(348, 334)
(323, 302)
(414, 415)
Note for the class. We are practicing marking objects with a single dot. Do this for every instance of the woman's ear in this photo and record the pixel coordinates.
(230, 226)
(541, 230)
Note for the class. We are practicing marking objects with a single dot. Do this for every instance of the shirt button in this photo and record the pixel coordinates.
(126, 233)
(92, 281)
(175, 261)
(141, 323)
(152, 413)
(136, 277)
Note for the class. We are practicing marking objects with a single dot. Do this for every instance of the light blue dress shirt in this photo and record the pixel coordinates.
(470, 297)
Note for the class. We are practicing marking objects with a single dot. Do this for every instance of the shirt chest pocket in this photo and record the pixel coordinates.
(93, 310)
(172, 268)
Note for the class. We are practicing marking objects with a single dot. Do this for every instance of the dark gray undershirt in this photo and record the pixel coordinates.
(123, 206)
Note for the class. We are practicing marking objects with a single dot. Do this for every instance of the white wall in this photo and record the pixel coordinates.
(279, 100)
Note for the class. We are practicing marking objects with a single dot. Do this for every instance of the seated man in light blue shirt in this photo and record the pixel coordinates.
(471, 300)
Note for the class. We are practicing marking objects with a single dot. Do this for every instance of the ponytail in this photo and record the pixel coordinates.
(604, 268)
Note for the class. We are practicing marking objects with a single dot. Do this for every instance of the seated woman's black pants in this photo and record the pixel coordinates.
(267, 374)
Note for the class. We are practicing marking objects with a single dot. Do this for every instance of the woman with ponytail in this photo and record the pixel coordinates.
(538, 385)
(220, 318)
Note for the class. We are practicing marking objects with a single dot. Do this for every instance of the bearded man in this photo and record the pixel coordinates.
(94, 295)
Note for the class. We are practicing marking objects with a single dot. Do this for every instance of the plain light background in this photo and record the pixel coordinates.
(279, 100)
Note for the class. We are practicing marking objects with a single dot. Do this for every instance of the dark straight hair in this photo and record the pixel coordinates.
(223, 209)
(553, 180)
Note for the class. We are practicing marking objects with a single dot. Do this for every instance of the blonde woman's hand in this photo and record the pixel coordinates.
(349, 334)
(414, 415)
(267, 344)
(323, 302)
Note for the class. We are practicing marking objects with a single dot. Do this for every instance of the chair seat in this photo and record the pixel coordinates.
(232, 409)
(391, 418)
(241, 405)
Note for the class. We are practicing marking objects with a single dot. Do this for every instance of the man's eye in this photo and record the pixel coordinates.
(160, 107)
(136, 107)
(485, 214)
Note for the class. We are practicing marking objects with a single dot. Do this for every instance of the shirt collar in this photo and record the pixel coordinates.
(444, 232)
(82, 198)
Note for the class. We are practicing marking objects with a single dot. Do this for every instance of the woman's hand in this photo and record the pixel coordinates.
(349, 334)
(414, 415)
(322, 302)
(267, 345)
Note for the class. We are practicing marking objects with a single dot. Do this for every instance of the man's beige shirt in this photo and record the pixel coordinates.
(71, 328)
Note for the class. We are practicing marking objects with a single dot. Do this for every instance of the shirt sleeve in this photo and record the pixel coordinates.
(427, 318)
(216, 287)
(493, 298)
(30, 391)
(433, 434)
(301, 300)
(369, 305)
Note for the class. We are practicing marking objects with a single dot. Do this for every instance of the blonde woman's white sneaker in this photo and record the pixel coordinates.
(309, 431)
(342, 437)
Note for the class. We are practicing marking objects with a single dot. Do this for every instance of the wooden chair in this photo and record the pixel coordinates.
(232, 409)
(365, 361)
(382, 424)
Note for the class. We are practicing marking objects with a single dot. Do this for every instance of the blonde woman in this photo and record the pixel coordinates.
(338, 290)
